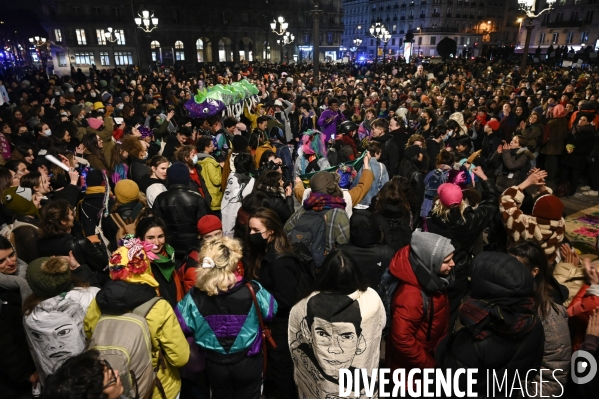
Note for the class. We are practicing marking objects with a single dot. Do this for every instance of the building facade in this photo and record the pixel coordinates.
(571, 23)
(474, 24)
(189, 33)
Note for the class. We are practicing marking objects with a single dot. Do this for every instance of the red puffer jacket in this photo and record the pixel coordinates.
(579, 311)
(408, 346)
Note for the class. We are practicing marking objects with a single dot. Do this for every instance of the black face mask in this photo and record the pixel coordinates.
(422, 121)
(258, 241)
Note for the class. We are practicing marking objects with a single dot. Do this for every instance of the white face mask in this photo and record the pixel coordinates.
(194, 160)
(48, 132)
(120, 106)
(93, 94)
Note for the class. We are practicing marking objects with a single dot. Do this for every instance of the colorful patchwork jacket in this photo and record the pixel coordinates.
(227, 325)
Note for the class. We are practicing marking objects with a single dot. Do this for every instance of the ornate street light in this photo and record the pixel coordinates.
(146, 22)
(379, 32)
(528, 8)
(112, 35)
(357, 44)
(287, 38)
(282, 26)
(41, 45)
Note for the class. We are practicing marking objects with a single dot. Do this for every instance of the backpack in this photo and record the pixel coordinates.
(128, 226)
(310, 230)
(386, 290)
(432, 181)
(125, 342)
(9, 230)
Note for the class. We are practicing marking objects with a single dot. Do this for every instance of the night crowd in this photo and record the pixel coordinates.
(405, 216)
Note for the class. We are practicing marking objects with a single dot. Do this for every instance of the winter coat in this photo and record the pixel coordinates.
(381, 177)
(212, 175)
(301, 163)
(151, 187)
(119, 297)
(433, 148)
(181, 209)
(106, 137)
(371, 256)
(496, 279)
(521, 227)
(533, 135)
(414, 337)
(558, 130)
(579, 311)
(16, 364)
(512, 166)
(572, 277)
(232, 198)
(138, 170)
(59, 320)
(128, 212)
(88, 212)
(233, 307)
(96, 162)
(330, 129)
(415, 176)
(583, 139)
(390, 152)
(317, 361)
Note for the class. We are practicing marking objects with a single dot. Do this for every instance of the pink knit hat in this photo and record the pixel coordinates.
(449, 194)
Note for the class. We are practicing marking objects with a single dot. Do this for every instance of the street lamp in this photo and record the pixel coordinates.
(112, 36)
(419, 40)
(528, 7)
(146, 22)
(316, 12)
(40, 43)
(357, 44)
(519, 20)
(378, 31)
(282, 26)
(287, 39)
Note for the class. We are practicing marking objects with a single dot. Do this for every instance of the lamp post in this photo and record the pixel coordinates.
(112, 36)
(357, 44)
(528, 7)
(419, 39)
(316, 13)
(146, 21)
(287, 39)
(378, 31)
(282, 31)
(40, 43)
(519, 20)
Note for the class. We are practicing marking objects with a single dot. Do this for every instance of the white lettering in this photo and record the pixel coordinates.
(399, 384)
(369, 387)
(556, 380)
(383, 382)
(471, 381)
(519, 388)
(356, 383)
(503, 382)
(456, 383)
(443, 382)
(427, 380)
(414, 383)
(343, 391)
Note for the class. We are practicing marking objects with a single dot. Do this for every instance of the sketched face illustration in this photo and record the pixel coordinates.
(337, 343)
(57, 337)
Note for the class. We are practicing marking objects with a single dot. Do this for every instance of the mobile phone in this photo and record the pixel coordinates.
(118, 120)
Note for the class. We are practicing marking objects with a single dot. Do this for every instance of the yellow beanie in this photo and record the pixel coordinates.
(131, 263)
(126, 191)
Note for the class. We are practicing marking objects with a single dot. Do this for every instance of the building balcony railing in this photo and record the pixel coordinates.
(402, 18)
(564, 24)
(436, 15)
(422, 16)
(440, 29)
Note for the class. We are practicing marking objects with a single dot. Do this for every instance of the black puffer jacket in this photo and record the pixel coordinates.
(89, 210)
(390, 152)
(583, 140)
(138, 170)
(499, 279)
(181, 209)
(372, 257)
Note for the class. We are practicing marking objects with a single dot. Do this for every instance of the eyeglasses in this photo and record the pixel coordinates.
(112, 381)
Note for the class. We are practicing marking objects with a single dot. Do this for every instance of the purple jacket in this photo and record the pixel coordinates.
(330, 129)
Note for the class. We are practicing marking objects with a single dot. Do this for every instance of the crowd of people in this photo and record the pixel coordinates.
(144, 253)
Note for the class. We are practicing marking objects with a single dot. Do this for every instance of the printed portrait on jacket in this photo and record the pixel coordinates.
(329, 337)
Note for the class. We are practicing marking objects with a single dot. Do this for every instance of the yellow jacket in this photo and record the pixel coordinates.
(166, 336)
(212, 174)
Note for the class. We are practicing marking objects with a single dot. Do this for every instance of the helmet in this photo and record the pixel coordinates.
(347, 127)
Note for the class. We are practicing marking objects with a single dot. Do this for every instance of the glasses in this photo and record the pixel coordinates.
(112, 381)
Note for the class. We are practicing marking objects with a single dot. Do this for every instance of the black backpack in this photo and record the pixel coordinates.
(310, 230)
(386, 289)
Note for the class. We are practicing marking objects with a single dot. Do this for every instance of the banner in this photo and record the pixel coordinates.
(3, 95)
(357, 165)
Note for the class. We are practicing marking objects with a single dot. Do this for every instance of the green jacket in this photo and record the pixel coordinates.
(212, 175)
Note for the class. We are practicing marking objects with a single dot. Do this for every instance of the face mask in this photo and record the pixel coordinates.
(93, 94)
(449, 133)
(257, 240)
(48, 132)
(120, 106)
(194, 159)
(446, 137)
(422, 121)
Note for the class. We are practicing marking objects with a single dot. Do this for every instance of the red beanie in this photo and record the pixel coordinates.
(208, 224)
(548, 207)
(493, 124)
